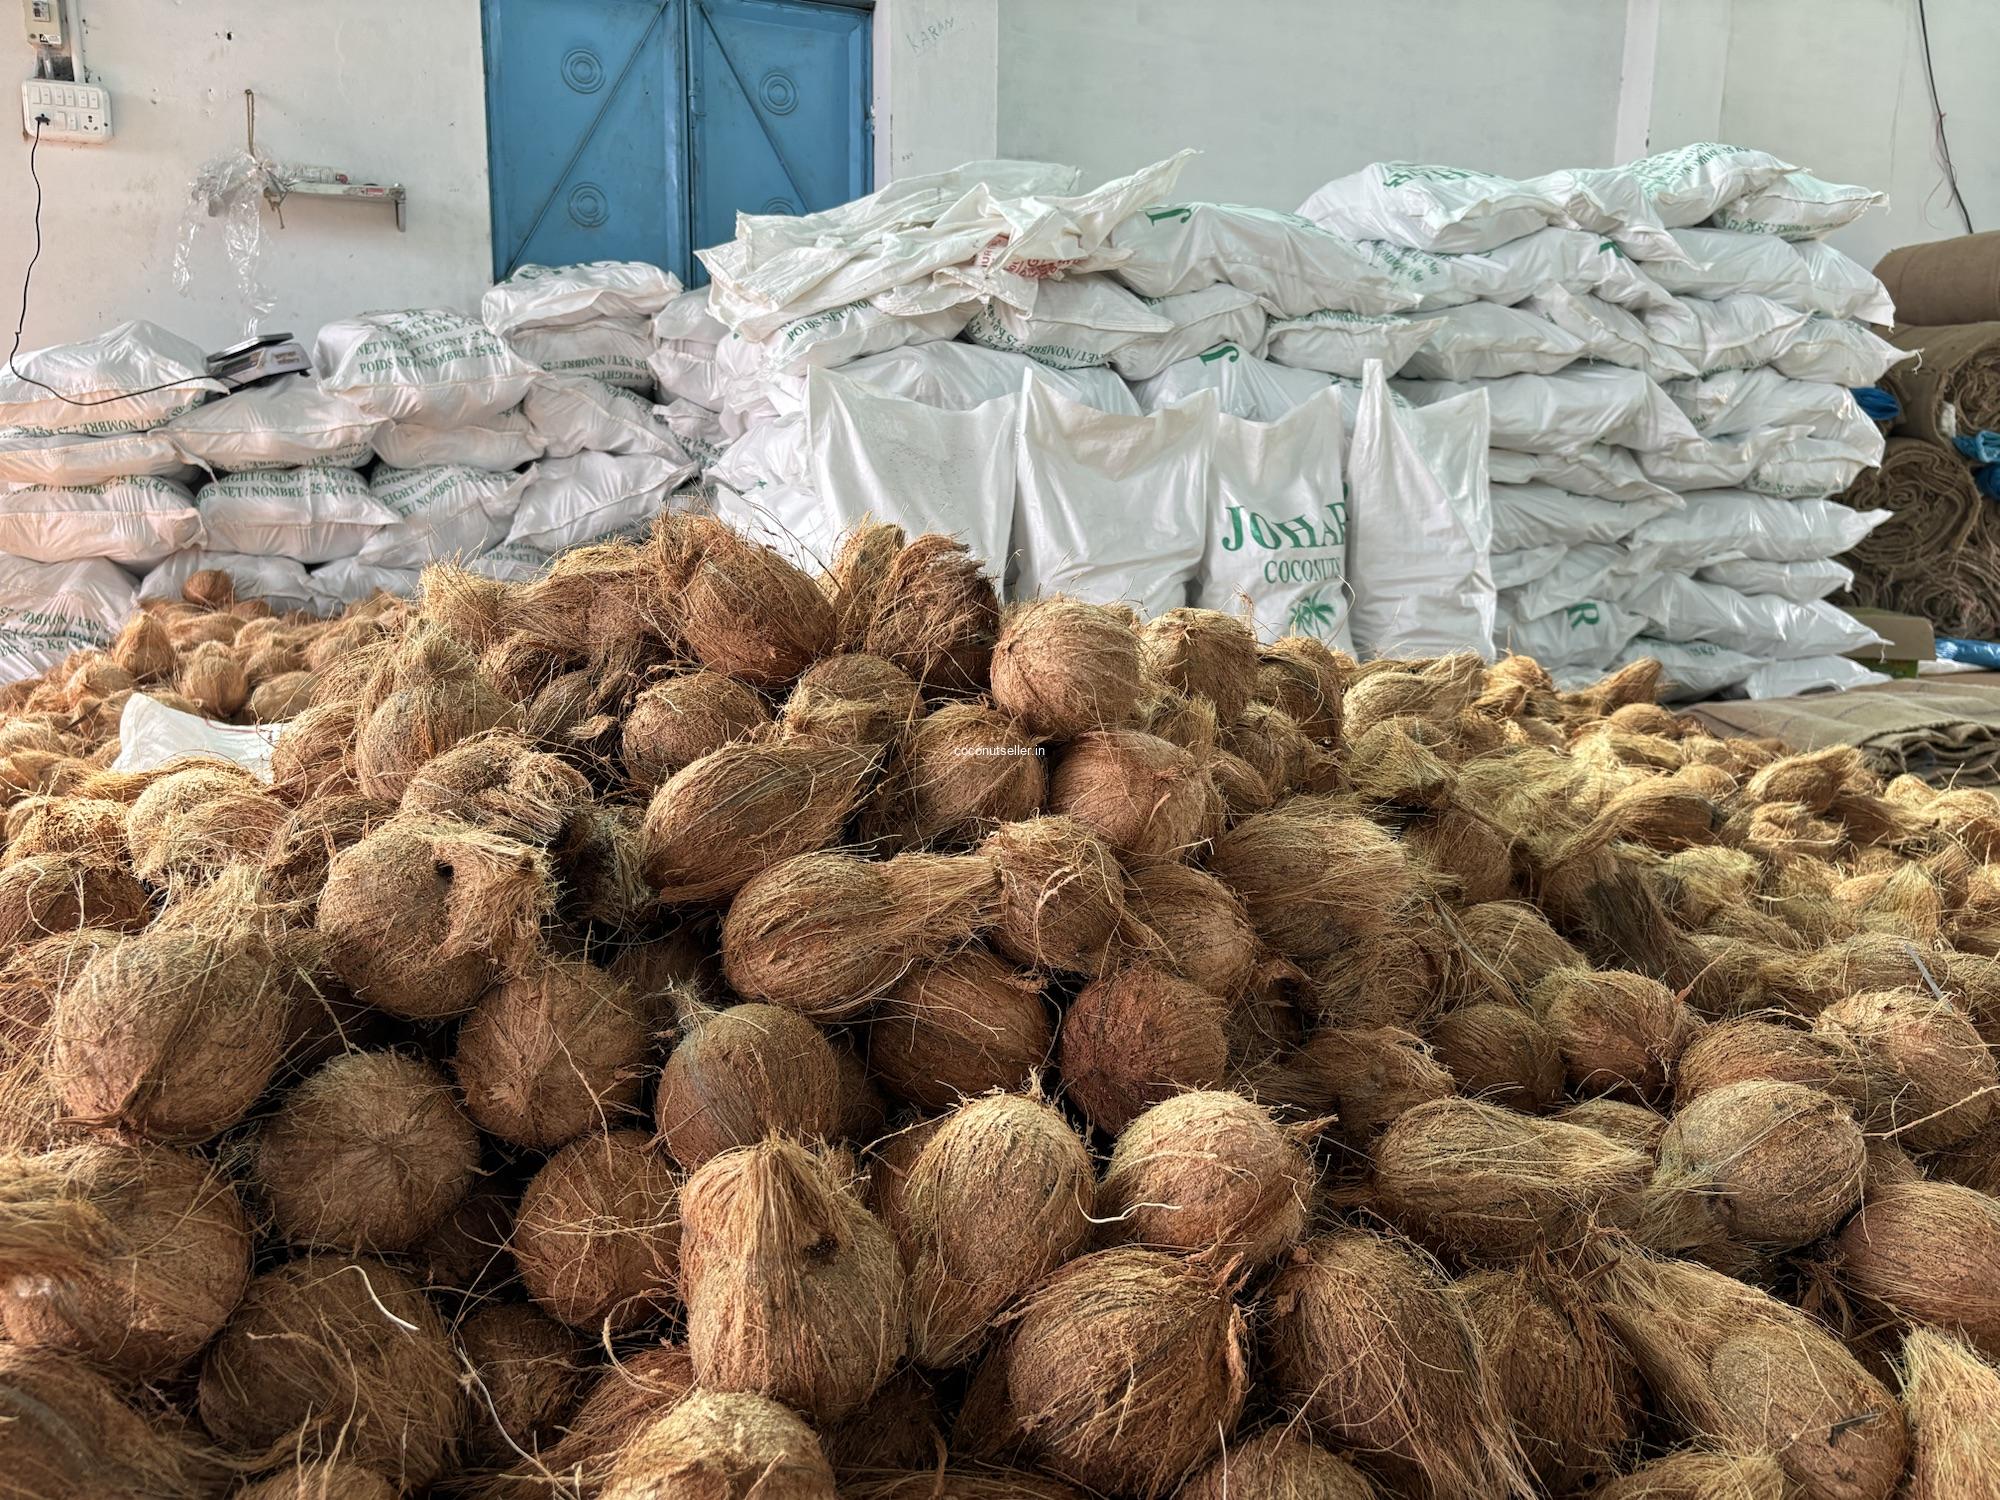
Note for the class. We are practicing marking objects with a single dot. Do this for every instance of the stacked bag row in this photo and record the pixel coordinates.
(425, 436)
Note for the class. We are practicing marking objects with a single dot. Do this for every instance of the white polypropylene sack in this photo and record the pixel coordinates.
(283, 424)
(1292, 265)
(1589, 571)
(690, 376)
(136, 376)
(309, 515)
(1484, 341)
(617, 351)
(1736, 332)
(1110, 509)
(1730, 402)
(1420, 526)
(1841, 287)
(500, 443)
(957, 376)
(843, 334)
(510, 563)
(1429, 282)
(1688, 184)
(134, 522)
(1719, 262)
(1798, 206)
(773, 454)
(1515, 568)
(448, 511)
(1540, 515)
(1255, 390)
(1725, 523)
(1589, 633)
(1342, 343)
(1571, 409)
(152, 735)
(1201, 321)
(1806, 467)
(563, 296)
(571, 500)
(48, 610)
(430, 366)
(1075, 324)
(697, 429)
(1277, 528)
(1600, 471)
(1800, 582)
(1608, 332)
(1815, 674)
(886, 458)
(1715, 463)
(686, 323)
(278, 581)
(1609, 201)
(573, 415)
(65, 460)
(791, 521)
(1838, 351)
(1679, 608)
(351, 580)
(1690, 670)
(1431, 207)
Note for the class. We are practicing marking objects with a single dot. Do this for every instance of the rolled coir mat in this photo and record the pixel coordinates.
(1953, 385)
(1937, 509)
(1945, 281)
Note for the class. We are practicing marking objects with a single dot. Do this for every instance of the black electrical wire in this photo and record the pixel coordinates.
(28, 280)
(1937, 114)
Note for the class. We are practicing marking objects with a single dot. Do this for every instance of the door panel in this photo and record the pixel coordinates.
(777, 93)
(585, 131)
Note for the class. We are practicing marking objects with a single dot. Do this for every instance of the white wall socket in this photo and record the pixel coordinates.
(77, 112)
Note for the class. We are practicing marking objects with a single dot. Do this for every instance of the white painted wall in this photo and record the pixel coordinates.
(385, 88)
(1282, 95)
(937, 84)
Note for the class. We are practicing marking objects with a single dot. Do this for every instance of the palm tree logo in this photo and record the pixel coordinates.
(1312, 615)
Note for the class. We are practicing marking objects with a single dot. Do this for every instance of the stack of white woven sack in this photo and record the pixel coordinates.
(425, 435)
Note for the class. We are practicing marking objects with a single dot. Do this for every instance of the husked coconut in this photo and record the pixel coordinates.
(1927, 1253)
(1930, 1077)
(528, 1375)
(935, 615)
(1500, 1053)
(1619, 1033)
(966, 770)
(1148, 799)
(320, 1479)
(1200, 923)
(499, 782)
(1312, 882)
(1136, 1037)
(852, 699)
(959, 1028)
(679, 719)
(719, 1445)
(742, 1073)
(634, 1392)
(740, 609)
(47, 894)
(73, 1435)
(1701, 1474)
(1282, 1464)
(1203, 653)
(598, 1237)
(1952, 1398)
(1064, 668)
(1061, 898)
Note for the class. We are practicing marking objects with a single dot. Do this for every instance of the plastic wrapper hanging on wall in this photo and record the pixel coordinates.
(1420, 526)
(1277, 529)
(228, 191)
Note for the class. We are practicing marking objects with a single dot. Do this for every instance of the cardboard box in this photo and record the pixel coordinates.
(1909, 639)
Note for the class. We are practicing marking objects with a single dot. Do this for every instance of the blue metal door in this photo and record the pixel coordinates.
(776, 91)
(637, 129)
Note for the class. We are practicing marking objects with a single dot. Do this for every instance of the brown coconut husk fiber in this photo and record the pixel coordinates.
(1742, 1368)
(898, 1430)
(414, 726)
(852, 699)
(1701, 1474)
(528, 1377)
(636, 1390)
(1490, 1184)
(718, 1444)
(716, 823)
(1136, 1037)
(1148, 799)
(1061, 896)
(186, 826)
(1366, 1077)
(999, 1196)
(422, 915)
(1619, 1033)
(1278, 1462)
(130, 1256)
(1125, 1370)
(295, 863)
(1747, 1048)
(46, 894)
(1064, 668)
(825, 934)
(1211, 1175)
(959, 1028)
(1569, 1389)
(550, 1053)
(1927, 1253)
(679, 719)
(1304, 677)
(320, 1479)
(738, 608)
(72, 1434)
(211, 675)
(90, 826)
(936, 616)
(1204, 933)
(744, 1072)
(1313, 881)
(369, 1153)
(331, 1357)
(1932, 1080)
(144, 649)
(965, 771)
(793, 1289)
(1500, 1053)
(1204, 654)
(498, 782)
(1952, 1399)
(1188, 722)
(962, 1482)
(1764, 1165)
(598, 1237)
(313, 757)
(170, 1034)
(1368, 1341)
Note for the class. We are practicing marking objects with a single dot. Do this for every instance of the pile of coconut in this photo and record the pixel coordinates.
(686, 1028)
